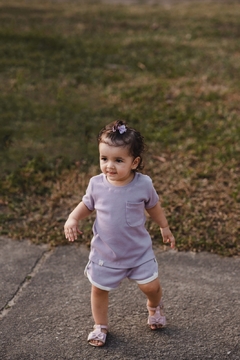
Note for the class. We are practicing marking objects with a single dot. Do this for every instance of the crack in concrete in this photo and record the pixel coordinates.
(27, 280)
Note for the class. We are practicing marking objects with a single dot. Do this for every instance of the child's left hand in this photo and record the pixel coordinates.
(168, 236)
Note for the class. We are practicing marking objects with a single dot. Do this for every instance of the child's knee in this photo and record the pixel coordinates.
(155, 287)
(152, 287)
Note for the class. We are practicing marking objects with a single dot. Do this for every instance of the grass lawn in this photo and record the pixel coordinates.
(67, 68)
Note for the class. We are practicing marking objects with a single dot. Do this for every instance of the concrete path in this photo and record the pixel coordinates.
(46, 314)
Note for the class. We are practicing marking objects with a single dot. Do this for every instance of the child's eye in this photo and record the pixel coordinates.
(103, 158)
(119, 160)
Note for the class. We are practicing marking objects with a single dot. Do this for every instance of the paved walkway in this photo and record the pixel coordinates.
(46, 315)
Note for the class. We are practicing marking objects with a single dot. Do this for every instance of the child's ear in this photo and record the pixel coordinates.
(135, 163)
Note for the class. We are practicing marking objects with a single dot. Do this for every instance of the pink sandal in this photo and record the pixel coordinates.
(157, 319)
(97, 335)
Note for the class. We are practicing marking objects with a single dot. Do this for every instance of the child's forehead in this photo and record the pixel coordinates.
(110, 149)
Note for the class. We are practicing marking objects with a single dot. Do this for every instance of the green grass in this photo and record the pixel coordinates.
(66, 69)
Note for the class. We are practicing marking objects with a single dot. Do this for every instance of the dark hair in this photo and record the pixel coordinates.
(119, 134)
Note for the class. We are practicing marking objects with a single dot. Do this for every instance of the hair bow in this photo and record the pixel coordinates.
(121, 128)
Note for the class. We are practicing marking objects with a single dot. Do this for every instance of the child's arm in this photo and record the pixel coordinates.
(158, 216)
(71, 226)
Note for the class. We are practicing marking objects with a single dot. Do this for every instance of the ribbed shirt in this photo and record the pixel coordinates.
(120, 239)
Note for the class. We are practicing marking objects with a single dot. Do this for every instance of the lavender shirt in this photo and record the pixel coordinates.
(120, 238)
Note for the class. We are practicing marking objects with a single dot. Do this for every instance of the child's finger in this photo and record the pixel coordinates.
(166, 239)
(71, 234)
(172, 240)
(66, 233)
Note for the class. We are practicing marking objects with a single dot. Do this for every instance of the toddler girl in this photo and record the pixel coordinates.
(121, 246)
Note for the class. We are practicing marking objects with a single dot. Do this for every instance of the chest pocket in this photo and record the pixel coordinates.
(135, 213)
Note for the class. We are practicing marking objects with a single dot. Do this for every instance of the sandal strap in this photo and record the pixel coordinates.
(157, 318)
(160, 306)
(97, 334)
(100, 327)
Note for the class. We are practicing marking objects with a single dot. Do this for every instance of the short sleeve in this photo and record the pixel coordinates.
(88, 199)
(153, 197)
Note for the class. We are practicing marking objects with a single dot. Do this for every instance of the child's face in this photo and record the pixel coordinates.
(117, 164)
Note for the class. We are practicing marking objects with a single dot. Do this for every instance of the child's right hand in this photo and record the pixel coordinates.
(71, 229)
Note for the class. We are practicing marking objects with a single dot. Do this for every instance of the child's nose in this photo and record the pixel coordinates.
(110, 164)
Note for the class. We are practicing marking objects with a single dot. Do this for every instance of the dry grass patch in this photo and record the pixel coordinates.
(67, 68)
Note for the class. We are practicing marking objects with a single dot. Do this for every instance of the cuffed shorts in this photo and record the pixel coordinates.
(106, 278)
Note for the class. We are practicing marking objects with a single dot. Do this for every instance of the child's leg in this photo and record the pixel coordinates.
(153, 291)
(99, 303)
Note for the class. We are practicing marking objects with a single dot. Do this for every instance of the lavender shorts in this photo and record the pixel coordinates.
(106, 278)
